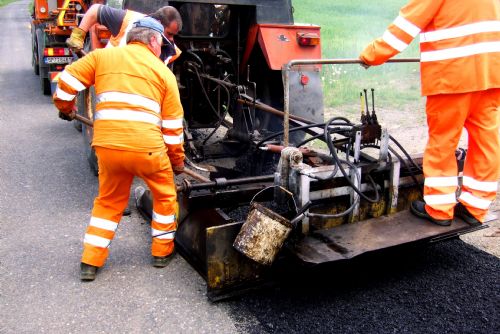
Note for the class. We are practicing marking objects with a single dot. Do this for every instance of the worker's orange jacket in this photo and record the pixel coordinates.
(128, 20)
(138, 106)
(456, 37)
(127, 24)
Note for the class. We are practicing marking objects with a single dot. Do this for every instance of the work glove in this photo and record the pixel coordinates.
(178, 169)
(67, 116)
(76, 39)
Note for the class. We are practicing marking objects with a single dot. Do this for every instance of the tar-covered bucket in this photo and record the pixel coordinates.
(263, 233)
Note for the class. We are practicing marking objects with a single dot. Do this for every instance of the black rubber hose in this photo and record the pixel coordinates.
(316, 125)
(339, 162)
(221, 119)
(405, 153)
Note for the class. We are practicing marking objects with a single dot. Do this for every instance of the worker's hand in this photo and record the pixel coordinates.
(67, 116)
(178, 169)
(76, 39)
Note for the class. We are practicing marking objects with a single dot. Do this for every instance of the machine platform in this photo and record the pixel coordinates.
(349, 240)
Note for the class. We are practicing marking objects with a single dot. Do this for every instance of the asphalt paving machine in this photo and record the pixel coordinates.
(263, 194)
(270, 180)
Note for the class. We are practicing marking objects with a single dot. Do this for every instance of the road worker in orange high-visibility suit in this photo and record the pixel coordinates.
(119, 23)
(138, 131)
(460, 74)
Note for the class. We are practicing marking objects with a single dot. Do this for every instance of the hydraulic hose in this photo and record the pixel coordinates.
(316, 125)
(405, 153)
(339, 162)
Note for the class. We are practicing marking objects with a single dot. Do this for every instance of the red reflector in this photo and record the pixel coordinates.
(307, 39)
(304, 79)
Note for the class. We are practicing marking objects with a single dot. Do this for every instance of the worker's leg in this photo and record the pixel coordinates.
(160, 179)
(482, 163)
(114, 189)
(446, 115)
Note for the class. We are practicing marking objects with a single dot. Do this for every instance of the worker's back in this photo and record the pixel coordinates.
(456, 37)
(131, 84)
(463, 37)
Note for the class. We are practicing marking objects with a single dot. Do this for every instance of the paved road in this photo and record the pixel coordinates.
(46, 197)
(46, 193)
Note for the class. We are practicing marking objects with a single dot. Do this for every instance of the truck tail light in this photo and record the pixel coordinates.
(50, 52)
(308, 39)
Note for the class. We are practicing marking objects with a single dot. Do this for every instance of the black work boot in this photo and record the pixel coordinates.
(464, 214)
(418, 209)
(162, 261)
(87, 272)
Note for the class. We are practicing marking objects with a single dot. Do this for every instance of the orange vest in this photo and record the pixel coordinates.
(459, 44)
(137, 100)
(128, 20)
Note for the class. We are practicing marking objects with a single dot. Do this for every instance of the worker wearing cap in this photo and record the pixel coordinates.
(460, 74)
(119, 22)
(138, 131)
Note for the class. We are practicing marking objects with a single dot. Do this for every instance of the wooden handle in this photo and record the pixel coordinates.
(84, 120)
(196, 175)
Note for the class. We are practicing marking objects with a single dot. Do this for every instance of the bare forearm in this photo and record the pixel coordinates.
(90, 18)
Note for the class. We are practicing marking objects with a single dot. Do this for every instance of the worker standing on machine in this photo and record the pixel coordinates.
(460, 74)
(138, 131)
(119, 22)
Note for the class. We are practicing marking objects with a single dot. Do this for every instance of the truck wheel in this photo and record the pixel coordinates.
(87, 131)
(34, 59)
(42, 70)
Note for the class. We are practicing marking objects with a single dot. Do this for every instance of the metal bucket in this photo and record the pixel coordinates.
(263, 233)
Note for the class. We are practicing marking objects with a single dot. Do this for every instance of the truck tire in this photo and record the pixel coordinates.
(87, 131)
(34, 58)
(42, 70)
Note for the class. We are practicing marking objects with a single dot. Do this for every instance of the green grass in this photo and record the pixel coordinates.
(5, 2)
(347, 26)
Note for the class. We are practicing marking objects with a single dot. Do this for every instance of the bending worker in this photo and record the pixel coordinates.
(119, 23)
(460, 75)
(137, 132)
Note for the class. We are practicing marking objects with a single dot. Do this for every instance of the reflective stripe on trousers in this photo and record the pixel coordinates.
(447, 114)
(117, 169)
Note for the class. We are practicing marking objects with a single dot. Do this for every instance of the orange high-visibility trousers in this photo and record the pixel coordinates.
(447, 115)
(117, 169)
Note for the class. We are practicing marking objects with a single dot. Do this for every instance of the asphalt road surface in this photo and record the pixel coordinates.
(46, 194)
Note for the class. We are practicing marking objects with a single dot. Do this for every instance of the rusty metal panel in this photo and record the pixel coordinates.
(349, 240)
(228, 271)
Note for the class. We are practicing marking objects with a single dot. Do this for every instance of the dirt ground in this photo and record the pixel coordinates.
(409, 128)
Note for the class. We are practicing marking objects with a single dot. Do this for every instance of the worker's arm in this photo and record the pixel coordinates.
(110, 17)
(90, 17)
(75, 78)
(413, 17)
(77, 37)
(172, 127)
